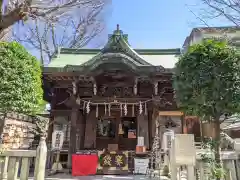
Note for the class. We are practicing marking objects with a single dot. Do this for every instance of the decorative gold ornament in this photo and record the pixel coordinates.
(107, 160)
(119, 160)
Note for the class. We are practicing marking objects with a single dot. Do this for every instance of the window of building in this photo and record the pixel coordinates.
(106, 128)
(129, 127)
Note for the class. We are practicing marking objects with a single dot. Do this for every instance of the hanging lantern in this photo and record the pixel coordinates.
(140, 108)
(88, 107)
(125, 109)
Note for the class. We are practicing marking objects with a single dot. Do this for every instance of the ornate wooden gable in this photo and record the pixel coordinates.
(118, 47)
(117, 52)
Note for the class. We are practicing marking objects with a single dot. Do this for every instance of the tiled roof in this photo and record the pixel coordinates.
(117, 43)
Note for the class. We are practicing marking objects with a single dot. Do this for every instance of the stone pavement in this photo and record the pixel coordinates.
(105, 177)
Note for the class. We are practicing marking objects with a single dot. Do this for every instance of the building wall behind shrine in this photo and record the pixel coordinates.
(191, 125)
(176, 120)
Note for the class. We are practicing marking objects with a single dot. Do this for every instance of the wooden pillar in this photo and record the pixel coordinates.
(72, 145)
(91, 129)
(154, 119)
(150, 129)
(81, 125)
(51, 118)
(50, 128)
(143, 128)
(41, 158)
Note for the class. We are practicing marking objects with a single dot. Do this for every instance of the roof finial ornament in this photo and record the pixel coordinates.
(117, 27)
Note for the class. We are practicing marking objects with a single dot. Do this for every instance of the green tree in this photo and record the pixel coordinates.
(207, 83)
(20, 81)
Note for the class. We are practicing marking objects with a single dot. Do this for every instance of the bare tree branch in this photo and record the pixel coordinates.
(229, 9)
(73, 29)
(48, 10)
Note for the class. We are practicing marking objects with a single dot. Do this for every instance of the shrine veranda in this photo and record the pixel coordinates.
(112, 98)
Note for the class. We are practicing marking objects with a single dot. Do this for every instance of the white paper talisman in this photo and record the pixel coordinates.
(57, 140)
(140, 141)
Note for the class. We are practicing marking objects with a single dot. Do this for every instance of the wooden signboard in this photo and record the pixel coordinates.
(183, 149)
(141, 165)
(113, 162)
(170, 113)
(57, 140)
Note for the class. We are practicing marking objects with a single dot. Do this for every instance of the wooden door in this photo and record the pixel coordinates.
(127, 140)
(107, 130)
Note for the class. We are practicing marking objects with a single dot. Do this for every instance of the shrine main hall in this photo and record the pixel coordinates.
(113, 98)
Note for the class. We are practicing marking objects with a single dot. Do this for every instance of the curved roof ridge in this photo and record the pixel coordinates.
(136, 54)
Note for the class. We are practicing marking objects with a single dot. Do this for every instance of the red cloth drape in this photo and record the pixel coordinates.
(83, 165)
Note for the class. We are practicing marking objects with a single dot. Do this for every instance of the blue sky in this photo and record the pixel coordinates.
(155, 23)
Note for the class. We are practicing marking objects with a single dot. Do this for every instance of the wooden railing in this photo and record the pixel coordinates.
(13, 160)
(16, 164)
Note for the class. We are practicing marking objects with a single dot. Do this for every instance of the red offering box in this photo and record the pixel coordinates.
(84, 165)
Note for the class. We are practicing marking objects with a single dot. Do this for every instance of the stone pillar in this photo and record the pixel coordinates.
(72, 144)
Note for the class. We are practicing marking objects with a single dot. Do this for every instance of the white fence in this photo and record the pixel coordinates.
(185, 161)
(16, 164)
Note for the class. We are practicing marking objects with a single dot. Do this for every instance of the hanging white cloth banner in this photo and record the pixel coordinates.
(140, 141)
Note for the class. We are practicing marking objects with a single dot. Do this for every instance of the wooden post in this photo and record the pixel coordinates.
(25, 168)
(81, 126)
(173, 167)
(5, 168)
(190, 173)
(143, 128)
(232, 174)
(12, 169)
(41, 157)
(72, 144)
